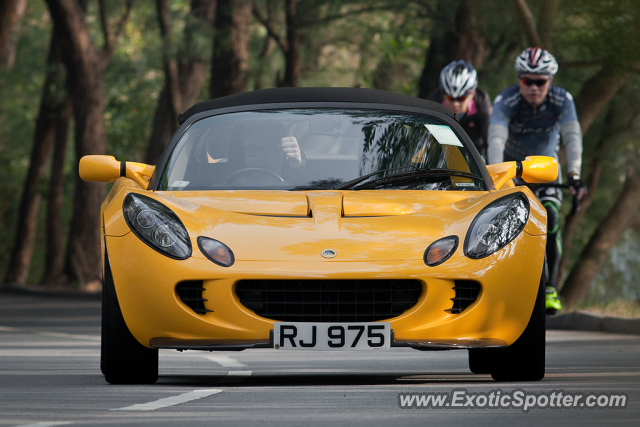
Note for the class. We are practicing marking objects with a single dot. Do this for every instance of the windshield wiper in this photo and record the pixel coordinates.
(417, 173)
(422, 173)
(353, 182)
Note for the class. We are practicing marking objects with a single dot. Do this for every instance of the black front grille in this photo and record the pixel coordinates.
(190, 293)
(466, 293)
(329, 300)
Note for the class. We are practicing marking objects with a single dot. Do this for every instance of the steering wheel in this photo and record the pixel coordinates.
(245, 171)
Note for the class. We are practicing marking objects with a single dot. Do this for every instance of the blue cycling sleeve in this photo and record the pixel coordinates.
(498, 130)
(502, 113)
(568, 111)
(571, 134)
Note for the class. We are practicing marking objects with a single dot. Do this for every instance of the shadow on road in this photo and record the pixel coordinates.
(328, 379)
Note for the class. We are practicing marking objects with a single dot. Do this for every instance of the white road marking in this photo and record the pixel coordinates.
(47, 424)
(170, 401)
(50, 352)
(51, 334)
(225, 361)
(235, 377)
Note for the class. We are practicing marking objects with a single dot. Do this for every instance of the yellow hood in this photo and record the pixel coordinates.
(373, 225)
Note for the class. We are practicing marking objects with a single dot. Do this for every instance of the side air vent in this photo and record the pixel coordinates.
(190, 293)
(466, 293)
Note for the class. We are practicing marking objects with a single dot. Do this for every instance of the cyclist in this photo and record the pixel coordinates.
(528, 119)
(458, 92)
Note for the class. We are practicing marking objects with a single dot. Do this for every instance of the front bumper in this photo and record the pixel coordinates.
(238, 345)
(145, 284)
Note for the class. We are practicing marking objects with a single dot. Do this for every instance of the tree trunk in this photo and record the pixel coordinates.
(546, 17)
(596, 93)
(203, 10)
(191, 73)
(230, 60)
(54, 265)
(165, 119)
(85, 66)
(11, 13)
(450, 40)
(471, 46)
(292, 65)
(528, 21)
(164, 125)
(266, 52)
(83, 261)
(169, 62)
(52, 104)
(542, 34)
(621, 216)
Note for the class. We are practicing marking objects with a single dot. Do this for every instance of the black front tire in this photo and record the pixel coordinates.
(123, 360)
(481, 360)
(524, 360)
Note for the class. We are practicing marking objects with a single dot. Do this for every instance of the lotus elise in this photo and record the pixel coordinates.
(322, 219)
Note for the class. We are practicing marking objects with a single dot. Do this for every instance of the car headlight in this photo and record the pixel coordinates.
(157, 226)
(496, 225)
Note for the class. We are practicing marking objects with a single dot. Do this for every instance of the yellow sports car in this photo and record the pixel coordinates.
(322, 219)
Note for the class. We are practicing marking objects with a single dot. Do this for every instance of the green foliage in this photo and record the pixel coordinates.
(132, 85)
(602, 29)
(383, 50)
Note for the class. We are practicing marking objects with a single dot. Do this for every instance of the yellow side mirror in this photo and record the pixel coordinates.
(539, 169)
(533, 170)
(108, 169)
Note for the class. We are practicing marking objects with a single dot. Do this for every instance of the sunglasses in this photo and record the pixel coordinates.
(538, 82)
(458, 99)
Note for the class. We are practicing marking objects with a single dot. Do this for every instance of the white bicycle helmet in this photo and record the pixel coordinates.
(458, 78)
(535, 60)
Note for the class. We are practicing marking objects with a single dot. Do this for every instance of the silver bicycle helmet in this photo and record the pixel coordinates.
(535, 60)
(458, 78)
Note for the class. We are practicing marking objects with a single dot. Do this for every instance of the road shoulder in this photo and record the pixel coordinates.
(586, 321)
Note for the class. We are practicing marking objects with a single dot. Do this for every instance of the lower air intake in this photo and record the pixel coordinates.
(466, 293)
(329, 300)
(190, 293)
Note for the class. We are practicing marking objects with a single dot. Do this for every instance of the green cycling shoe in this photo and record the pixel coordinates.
(552, 302)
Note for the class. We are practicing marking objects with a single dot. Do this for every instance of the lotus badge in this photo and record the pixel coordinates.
(328, 253)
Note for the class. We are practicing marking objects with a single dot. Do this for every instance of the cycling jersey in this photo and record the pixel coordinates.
(535, 130)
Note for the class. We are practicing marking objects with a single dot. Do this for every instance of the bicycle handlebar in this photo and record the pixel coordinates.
(575, 206)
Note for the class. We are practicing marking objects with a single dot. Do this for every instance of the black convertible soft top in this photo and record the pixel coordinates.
(313, 94)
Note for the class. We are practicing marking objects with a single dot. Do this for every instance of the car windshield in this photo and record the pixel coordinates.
(319, 149)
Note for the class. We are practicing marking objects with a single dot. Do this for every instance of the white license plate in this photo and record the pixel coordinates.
(332, 336)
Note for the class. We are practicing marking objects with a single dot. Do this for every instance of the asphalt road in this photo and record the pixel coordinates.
(49, 376)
